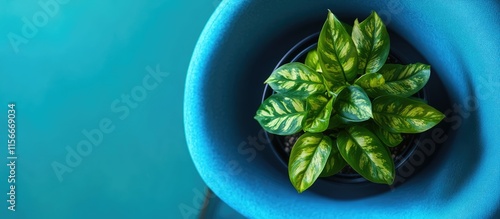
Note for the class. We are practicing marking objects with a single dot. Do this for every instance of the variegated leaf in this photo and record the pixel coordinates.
(364, 152)
(388, 138)
(319, 108)
(353, 104)
(404, 115)
(335, 162)
(370, 80)
(401, 80)
(296, 79)
(372, 43)
(282, 115)
(312, 60)
(308, 158)
(337, 53)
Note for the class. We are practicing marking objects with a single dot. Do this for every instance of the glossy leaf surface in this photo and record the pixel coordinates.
(364, 152)
(312, 60)
(335, 162)
(319, 109)
(372, 43)
(296, 79)
(370, 80)
(404, 115)
(308, 158)
(401, 80)
(337, 52)
(282, 115)
(388, 138)
(353, 104)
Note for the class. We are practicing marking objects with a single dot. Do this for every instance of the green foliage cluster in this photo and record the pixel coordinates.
(349, 103)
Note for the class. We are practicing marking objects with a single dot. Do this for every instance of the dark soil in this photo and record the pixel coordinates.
(392, 60)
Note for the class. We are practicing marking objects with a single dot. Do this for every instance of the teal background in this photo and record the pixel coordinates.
(65, 79)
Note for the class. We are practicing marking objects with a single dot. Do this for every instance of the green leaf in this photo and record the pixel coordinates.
(307, 159)
(418, 99)
(337, 122)
(335, 162)
(281, 115)
(372, 43)
(370, 80)
(388, 138)
(312, 60)
(404, 115)
(353, 104)
(337, 53)
(296, 79)
(319, 108)
(401, 80)
(364, 152)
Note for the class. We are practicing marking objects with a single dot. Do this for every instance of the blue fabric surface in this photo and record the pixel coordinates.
(459, 40)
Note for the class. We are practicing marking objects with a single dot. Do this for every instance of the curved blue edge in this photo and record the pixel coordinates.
(244, 38)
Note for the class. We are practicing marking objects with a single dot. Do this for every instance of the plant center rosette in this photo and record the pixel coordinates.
(350, 105)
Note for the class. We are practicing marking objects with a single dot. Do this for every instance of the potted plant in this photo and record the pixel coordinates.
(350, 104)
(243, 42)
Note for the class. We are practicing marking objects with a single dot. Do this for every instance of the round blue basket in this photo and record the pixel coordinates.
(241, 45)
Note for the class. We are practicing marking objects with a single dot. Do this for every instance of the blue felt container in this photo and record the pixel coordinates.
(241, 45)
